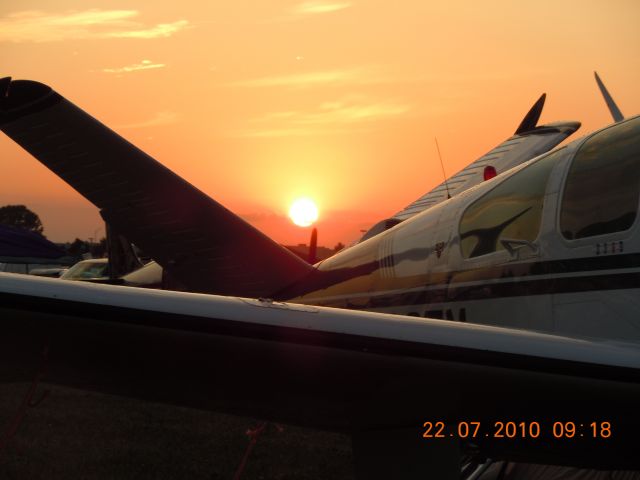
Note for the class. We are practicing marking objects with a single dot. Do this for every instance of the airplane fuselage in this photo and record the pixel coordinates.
(552, 245)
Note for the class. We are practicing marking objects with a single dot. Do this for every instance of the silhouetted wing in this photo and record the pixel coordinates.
(326, 368)
(199, 242)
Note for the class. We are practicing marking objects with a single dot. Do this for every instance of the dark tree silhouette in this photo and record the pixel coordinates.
(99, 249)
(78, 247)
(21, 217)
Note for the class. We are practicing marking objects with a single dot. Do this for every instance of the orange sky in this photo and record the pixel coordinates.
(257, 103)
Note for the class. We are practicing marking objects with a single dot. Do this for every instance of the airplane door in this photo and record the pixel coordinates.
(499, 244)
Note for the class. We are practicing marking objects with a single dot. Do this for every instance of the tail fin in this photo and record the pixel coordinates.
(613, 108)
(530, 120)
(529, 141)
(198, 241)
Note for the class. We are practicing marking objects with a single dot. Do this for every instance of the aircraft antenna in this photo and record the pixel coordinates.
(442, 165)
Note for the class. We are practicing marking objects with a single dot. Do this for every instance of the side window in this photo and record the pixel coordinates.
(603, 184)
(512, 210)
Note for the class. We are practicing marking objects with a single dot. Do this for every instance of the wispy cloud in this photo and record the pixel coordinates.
(159, 119)
(340, 112)
(367, 75)
(308, 9)
(311, 8)
(162, 30)
(350, 76)
(39, 26)
(143, 65)
(301, 79)
(328, 118)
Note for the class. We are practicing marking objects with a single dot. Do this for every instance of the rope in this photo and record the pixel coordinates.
(27, 401)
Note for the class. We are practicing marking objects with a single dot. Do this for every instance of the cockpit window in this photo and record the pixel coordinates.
(603, 184)
(512, 210)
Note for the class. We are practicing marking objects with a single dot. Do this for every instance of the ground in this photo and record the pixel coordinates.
(76, 434)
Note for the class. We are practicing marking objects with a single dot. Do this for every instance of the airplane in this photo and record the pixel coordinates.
(528, 141)
(539, 266)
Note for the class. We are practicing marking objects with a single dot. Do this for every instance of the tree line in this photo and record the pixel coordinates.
(22, 217)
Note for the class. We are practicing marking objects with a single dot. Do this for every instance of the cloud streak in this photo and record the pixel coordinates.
(365, 75)
(351, 76)
(144, 65)
(38, 27)
(341, 112)
(308, 9)
(328, 118)
(162, 30)
(302, 79)
(317, 7)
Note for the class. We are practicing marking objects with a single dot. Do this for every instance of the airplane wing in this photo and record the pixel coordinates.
(200, 243)
(528, 141)
(328, 368)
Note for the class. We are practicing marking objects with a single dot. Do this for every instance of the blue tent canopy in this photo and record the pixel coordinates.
(23, 246)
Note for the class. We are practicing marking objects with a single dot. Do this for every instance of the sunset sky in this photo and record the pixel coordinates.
(257, 103)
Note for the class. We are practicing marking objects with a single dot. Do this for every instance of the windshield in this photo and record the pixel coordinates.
(87, 270)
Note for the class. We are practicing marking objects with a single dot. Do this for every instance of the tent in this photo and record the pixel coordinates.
(18, 246)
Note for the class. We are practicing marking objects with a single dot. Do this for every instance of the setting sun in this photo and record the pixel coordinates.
(305, 98)
(303, 212)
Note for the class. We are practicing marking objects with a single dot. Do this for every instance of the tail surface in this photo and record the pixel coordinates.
(198, 241)
(611, 105)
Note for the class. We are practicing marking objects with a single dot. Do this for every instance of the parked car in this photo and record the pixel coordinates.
(94, 270)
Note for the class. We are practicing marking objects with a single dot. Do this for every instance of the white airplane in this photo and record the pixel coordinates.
(528, 141)
(540, 265)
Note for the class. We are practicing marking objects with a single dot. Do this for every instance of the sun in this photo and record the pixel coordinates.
(303, 212)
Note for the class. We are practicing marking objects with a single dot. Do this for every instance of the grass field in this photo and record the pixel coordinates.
(75, 434)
